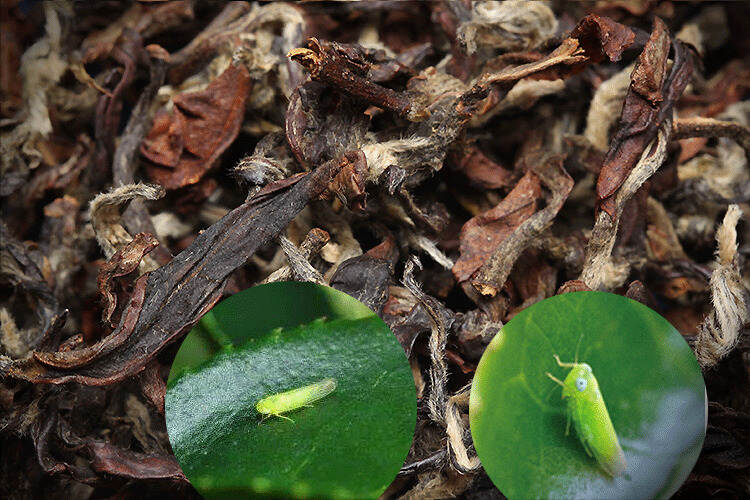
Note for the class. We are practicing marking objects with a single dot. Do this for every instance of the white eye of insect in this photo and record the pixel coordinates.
(581, 384)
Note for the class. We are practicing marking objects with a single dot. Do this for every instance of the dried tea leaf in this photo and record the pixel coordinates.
(168, 301)
(146, 20)
(367, 277)
(349, 183)
(662, 238)
(480, 170)
(323, 123)
(566, 58)
(18, 270)
(480, 235)
(164, 143)
(573, 286)
(591, 39)
(601, 36)
(651, 68)
(187, 143)
(109, 459)
(299, 258)
(124, 261)
(346, 67)
(495, 270)
(643, 115)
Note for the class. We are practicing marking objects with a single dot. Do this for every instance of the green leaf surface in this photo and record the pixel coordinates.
(349, 444)
(649, 379)
(256, 311)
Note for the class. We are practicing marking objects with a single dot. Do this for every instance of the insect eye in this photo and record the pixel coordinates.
(581, 384)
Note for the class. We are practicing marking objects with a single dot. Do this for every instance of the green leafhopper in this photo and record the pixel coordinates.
(585, 406)
(283, 402)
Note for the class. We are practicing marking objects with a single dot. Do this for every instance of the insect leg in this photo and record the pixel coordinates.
(282, 416)
(587, 447)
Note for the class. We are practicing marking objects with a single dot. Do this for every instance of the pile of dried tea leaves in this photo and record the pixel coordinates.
(447, 163)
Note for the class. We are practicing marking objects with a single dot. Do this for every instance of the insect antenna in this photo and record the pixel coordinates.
(560, 382)
(575, 361)
(578, 345)
(563, 364)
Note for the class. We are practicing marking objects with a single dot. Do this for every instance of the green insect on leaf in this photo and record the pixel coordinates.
(586, 408)
(284, 402)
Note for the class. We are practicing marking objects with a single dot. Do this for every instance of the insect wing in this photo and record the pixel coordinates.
(594, 428)
(319, 390)
(283, 402)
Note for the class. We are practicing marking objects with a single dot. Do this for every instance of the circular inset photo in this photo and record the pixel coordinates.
(588, 395)
(291, 390)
